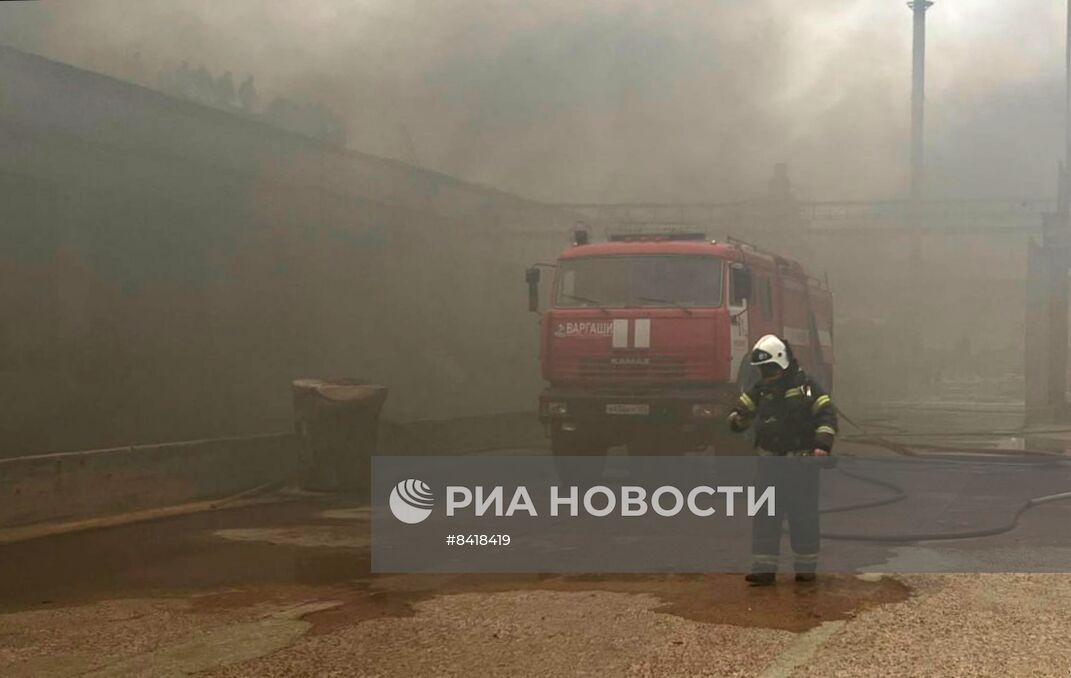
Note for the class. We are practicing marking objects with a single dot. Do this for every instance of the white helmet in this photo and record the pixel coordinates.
(770, 349)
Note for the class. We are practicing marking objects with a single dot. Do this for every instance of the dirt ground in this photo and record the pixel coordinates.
(285, 589)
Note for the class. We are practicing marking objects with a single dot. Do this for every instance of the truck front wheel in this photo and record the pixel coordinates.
(733, 445)
(568, 447)
(575, 444)
(657, 442)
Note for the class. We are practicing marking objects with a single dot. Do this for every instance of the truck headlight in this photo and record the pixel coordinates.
(556, 409)
(704, 410)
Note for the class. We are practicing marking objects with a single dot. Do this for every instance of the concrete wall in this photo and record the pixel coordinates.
(166, 269)
(75, 485)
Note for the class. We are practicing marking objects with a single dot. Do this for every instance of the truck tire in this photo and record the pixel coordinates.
(656, 444)
(572, 444)
(731, 444)
(567, 449)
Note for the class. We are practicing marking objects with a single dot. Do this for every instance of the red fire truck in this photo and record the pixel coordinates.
(646, 339)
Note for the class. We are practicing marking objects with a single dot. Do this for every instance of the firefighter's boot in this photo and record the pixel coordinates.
(761, 578)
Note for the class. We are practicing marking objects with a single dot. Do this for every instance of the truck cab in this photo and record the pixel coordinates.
(646, 338)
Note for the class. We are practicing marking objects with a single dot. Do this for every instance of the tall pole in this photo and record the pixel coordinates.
(916, 287)
(918, 95)
(1065, 185)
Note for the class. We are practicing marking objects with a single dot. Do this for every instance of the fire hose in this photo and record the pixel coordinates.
(961, 455)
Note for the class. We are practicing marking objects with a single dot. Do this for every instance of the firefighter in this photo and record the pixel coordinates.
(793, 417)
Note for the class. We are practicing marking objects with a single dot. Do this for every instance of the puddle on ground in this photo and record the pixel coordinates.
(704, 598)
(296, 552)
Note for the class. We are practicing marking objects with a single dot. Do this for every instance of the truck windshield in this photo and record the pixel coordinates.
(639, 280)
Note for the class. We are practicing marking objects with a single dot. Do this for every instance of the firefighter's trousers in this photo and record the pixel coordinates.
(796, 499)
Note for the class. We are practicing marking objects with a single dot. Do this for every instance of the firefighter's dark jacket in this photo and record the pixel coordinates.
(791, 414)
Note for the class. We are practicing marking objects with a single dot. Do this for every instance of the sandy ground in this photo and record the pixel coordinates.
(955, 625)
(285, 590)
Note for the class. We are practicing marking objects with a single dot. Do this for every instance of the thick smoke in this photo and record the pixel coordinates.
(623, 101)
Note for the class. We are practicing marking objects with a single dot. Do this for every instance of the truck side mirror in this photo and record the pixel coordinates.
(531, 276)
(739, 283)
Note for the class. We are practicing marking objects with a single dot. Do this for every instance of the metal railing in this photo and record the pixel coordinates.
(979, 214)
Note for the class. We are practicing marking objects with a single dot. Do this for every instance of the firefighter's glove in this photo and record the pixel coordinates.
(825, 460)
(823, 457)
(823, 442)
(739, 421)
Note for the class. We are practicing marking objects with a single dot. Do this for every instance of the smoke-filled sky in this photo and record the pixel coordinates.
(629, 100)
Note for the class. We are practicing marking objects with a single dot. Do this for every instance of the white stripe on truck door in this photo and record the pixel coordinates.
(620, 336)
(643, 333)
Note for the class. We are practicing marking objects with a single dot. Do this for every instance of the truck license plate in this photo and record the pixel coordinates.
(628, 408)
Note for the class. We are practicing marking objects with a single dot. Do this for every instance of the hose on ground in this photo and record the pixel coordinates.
(1031, 457)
